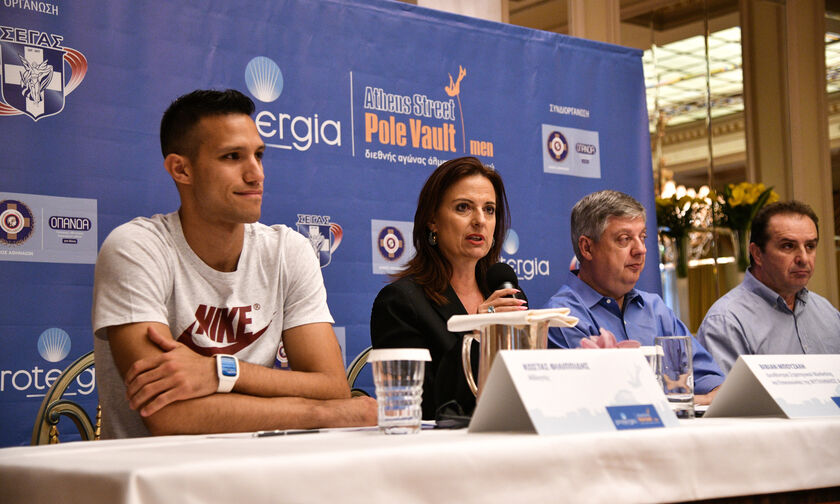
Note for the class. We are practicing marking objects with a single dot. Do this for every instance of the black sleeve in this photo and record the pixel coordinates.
(394, 324)
(402, 317)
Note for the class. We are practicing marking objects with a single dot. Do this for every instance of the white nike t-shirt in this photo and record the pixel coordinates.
(146, 272)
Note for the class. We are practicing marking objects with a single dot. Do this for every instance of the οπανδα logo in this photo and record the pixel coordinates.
(35, 79)
(323, 235)
(16, 222)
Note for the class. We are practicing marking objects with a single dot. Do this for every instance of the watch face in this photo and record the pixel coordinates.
(228, 366)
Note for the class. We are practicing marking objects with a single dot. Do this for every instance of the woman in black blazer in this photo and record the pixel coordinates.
(459, 226)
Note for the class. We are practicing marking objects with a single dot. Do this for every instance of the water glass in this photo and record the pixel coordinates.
(675, 372)
(398, 377)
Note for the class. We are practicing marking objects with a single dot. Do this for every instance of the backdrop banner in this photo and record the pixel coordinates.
(357, 101)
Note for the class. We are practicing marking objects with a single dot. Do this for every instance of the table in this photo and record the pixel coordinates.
(700, 459)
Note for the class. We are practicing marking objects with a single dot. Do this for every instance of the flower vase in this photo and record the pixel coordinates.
(742, 255)
(682, 245)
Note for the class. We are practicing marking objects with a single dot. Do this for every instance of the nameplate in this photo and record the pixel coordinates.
(792, 386)
(571, 391)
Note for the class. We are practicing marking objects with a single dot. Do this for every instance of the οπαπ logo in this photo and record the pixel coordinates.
(16, 222)
(35, 79)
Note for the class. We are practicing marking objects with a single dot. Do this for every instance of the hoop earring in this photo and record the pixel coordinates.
(432, 238)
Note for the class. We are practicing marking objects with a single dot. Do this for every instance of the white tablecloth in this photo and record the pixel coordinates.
(705, 458)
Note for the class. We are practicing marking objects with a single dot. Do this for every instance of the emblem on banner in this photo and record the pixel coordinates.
(54, 344)
(558, 147)
(16, 222)
(391, 243)
(35, 79)
(323, 235)
(264, 79)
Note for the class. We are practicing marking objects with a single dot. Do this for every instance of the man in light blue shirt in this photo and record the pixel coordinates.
(772, 311)
(608, 235)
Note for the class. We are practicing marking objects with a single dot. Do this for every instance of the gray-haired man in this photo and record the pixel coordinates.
(608, 235)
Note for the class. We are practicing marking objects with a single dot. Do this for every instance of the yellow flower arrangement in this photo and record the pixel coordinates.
(738, 205)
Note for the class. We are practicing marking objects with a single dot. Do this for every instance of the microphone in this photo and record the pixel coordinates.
(502, 276)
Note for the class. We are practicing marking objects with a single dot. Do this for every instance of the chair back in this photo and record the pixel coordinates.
(53, 407)
(353, 370)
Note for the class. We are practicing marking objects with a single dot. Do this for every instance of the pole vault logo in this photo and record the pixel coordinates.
(323, 235)
(16, 222)
(454, 91)
(35, 78)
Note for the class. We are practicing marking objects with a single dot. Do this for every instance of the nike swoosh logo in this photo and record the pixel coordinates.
(186, 338)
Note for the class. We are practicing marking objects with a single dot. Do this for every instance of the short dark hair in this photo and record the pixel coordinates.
(591, 214)
(429, 267)
(758, 229)
(185, 112)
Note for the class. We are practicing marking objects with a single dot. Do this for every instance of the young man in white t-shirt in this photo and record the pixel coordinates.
(206, 320)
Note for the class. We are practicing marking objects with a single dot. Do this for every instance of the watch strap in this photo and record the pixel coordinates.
(227, 369)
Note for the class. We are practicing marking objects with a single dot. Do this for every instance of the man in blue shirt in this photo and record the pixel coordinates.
(608, 235)
(772, 311)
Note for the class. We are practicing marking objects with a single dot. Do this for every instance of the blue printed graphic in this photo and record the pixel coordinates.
(354, 122)
(639, 416)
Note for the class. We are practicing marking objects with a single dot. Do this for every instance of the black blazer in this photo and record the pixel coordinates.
(403, 317)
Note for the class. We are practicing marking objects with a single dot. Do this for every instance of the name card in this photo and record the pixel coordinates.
(792, 386)
(571, 391)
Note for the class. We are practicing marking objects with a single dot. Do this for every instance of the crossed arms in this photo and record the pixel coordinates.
(174, 388)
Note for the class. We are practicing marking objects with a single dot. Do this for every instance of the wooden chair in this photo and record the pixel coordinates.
(354, 369)
(53, 407)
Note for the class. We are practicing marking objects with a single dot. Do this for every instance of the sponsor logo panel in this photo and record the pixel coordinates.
(391, 245)
(38, 228)
(571, 151)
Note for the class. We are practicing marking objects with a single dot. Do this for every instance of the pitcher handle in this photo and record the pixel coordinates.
(466, 361)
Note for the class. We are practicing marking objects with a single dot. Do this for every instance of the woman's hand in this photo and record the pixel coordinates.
(497, 302)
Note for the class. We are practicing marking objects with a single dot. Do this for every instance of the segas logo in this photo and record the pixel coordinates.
(323, 235)
(35, 80)
(526, 269)
(53, 346)
(264, 80)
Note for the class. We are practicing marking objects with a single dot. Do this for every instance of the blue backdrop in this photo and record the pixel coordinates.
(358, 101)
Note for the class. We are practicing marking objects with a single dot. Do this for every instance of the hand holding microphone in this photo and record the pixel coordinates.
(506, 296)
